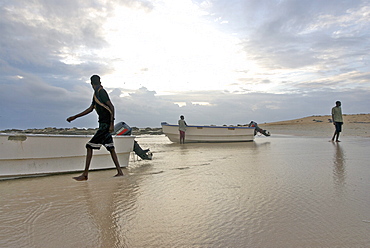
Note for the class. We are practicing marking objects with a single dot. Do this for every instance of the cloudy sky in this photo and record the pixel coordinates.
(214, 61)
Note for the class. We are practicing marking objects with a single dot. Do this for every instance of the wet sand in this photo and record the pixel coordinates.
(279, 191)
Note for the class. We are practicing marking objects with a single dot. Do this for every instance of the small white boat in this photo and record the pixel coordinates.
(209, 133)
(36, 154)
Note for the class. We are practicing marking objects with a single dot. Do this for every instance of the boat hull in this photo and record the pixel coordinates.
(209, 133)
(27, 155)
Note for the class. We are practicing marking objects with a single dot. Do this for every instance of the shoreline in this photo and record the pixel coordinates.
(316, 125)
(79, 131)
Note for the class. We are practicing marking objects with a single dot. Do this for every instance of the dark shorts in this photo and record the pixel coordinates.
(182, 134)
(338, 127)
(101, 137)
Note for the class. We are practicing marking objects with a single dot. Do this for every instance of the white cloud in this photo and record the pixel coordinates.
(216, 62)
(177, 47)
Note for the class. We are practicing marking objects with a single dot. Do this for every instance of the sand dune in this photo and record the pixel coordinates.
(354, 125)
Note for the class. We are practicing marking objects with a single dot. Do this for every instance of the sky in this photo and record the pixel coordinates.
(214, 61)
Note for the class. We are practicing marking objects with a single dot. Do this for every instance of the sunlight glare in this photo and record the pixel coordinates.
(170, 50)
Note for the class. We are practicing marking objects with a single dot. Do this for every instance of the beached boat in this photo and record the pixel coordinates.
(36, 154)
(209, 133)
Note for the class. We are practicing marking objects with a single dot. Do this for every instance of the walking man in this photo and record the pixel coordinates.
(336, 114)
(105, 110)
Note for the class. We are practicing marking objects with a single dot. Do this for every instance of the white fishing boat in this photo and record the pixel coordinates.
(209, 133)
(37, 154)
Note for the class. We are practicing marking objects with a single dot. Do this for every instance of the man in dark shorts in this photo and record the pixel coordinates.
(105, 110)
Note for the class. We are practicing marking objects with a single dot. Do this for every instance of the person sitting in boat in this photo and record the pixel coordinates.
(105, 110)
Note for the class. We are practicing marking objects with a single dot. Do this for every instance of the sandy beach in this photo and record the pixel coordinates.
(292, 189)
(320, 126)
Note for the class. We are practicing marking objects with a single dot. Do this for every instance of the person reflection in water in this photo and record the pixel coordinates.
(339, 165)
(105, 110)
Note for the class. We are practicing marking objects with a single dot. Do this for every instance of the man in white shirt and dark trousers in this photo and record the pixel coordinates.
(336, 114)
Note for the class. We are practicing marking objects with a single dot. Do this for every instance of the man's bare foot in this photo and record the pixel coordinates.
(337, 141)
(119, 175)
(80, 178)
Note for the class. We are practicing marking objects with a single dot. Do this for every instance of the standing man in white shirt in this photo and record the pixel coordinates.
(182, 129)
(336, 114)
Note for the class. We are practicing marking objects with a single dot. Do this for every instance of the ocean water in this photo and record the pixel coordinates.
(278, 191)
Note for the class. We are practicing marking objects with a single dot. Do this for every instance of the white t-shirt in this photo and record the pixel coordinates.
(182, 125)
(337, 114)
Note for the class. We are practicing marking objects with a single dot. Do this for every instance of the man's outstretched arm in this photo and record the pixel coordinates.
(83, 113)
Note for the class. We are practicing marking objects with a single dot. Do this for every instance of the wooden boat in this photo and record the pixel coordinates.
(209, 133)
(38, 154)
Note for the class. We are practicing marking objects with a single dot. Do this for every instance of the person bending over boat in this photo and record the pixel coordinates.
(105, 110)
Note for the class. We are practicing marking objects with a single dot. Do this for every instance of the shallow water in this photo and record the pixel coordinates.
(280, 191)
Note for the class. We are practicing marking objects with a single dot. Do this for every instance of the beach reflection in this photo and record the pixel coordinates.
(339, 162)
(275, 192)
(105, 207)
